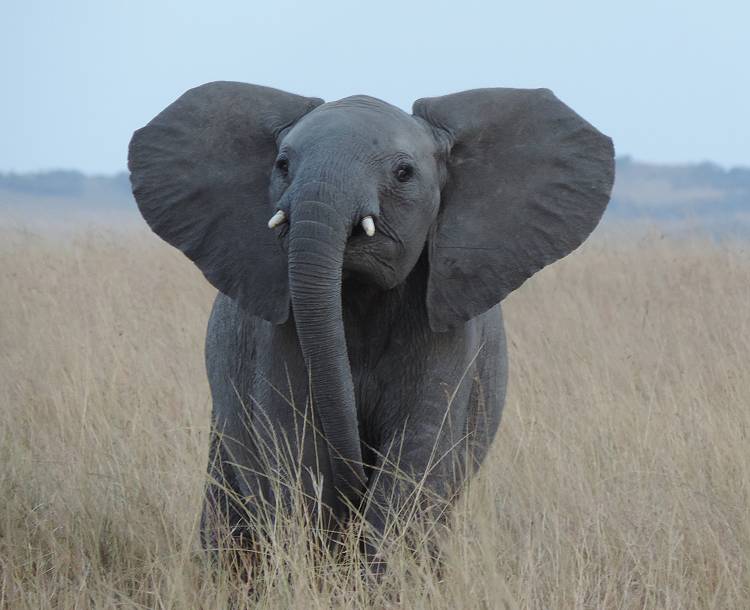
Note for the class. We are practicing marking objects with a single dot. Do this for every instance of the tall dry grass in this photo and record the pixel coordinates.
(620, 477)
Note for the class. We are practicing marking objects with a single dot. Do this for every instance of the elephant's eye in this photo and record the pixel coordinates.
(404, 172)
(282, 164)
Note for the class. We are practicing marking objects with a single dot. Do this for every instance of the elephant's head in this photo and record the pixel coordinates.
(496, 183)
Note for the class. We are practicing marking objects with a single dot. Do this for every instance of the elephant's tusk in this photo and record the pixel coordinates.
(277, 219)
(368, 224)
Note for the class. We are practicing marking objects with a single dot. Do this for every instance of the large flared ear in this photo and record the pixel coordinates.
(200, 172)
(527, 181)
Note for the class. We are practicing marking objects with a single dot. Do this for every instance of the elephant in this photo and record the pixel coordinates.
(361, 255)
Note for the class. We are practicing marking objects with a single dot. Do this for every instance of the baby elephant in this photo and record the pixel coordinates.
(356, 349)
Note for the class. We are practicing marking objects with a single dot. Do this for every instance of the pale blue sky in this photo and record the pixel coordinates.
(668, 81)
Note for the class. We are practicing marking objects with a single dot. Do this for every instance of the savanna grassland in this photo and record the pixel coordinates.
(620, 477)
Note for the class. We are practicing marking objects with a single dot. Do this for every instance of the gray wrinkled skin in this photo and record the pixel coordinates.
(404, 375)
(357, 365)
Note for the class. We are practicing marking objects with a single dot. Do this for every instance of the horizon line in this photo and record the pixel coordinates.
(625, 158)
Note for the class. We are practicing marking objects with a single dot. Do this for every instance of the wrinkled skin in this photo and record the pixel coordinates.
(388, 342)
(391, 369)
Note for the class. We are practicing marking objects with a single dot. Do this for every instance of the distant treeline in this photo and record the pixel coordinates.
(705, 194)
(68, 184)
(705, 190)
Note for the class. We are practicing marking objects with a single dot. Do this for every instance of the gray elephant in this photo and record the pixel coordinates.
(357, 336)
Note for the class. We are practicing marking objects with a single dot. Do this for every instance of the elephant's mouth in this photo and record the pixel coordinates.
(369, 259)
(358, 241)
(372, 260)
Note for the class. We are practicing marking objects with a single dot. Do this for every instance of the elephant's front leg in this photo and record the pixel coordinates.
(266, 451)
(419, 469)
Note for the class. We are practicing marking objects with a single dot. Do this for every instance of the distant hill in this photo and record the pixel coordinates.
(699, 196)
(69, 184)
(66, 199)
(675, 197)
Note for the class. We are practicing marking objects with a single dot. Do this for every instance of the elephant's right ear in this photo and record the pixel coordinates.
(528, 179)
(200, 172)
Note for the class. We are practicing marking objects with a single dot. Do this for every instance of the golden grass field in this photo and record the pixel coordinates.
(620, 477)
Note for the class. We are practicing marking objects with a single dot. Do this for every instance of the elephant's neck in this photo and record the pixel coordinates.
(372, 315)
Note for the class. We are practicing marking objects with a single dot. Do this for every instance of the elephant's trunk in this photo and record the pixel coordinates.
(317, 238)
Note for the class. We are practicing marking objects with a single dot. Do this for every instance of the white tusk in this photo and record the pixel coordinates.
(277, 219)
(368, 224)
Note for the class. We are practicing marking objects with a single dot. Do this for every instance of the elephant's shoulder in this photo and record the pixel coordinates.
(491, 320)
(230, 330)
(224, 319)
(491, 330)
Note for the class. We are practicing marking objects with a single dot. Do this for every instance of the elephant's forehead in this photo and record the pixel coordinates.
(357, 119)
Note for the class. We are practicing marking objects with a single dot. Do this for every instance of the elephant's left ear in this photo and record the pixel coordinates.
(200, 172)
(528, 180)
